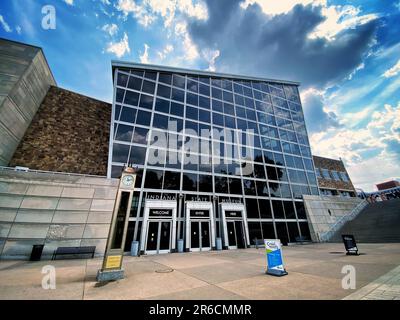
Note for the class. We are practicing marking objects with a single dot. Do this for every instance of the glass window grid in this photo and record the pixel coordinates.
(171, 100)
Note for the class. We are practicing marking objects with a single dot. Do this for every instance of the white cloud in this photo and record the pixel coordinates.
(365, 148)
(111, 29)
(119, 48)
(167, 50)
(18, 29)
(339, 18)
(139, 12)
(4, 24)
(210, 56)
(274, 7)
(147, 11)
(69, 2)
(393, 71)
(144, 57)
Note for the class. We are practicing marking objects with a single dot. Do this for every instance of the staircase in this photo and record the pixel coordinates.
(376, 223)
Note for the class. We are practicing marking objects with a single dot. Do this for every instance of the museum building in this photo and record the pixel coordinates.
(213, 197)
(221, 158)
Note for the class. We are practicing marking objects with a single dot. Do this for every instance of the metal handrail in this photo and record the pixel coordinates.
(324, 237)
(14, 169)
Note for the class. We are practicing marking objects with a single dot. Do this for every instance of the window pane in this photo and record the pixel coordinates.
(153, 179)
(120, 153)
(146, 102)
(140, 135)
(172, 180)
(131, 98)
(128, 114)
(138, 155)
(124, 133)
(164, 91)
(148, 87)
(143, 118)
(177, 109)
(135, 83)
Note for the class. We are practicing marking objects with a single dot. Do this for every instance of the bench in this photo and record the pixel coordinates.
(63, 251)
(258, 242)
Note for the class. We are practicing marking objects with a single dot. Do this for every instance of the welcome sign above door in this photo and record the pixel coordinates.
(160, 213)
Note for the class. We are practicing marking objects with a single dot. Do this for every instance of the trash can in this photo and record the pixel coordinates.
(134, 248)
(180, 245)
(219, 244)
(36, 253)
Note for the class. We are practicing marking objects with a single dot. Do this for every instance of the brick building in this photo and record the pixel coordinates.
(333, 178)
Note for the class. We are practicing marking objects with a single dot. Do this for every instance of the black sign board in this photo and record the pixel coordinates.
(350, 244)
(233, 214)
(163, 213)
(199, 213)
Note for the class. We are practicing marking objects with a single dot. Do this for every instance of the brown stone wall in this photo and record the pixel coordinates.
(333, 165)
(69, 133)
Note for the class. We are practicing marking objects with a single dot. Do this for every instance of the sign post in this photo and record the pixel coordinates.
(350, 244)
(112, 263)
(273, 250)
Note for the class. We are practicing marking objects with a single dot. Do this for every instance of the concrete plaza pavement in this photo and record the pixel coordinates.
(315, 272)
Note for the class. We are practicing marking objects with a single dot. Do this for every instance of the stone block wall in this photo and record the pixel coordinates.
(54, 210)
(69, 133)
(324, 211)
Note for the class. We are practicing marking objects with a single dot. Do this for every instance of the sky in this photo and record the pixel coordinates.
(345, 54)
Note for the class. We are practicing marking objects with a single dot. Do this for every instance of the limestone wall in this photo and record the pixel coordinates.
(324, 211)
(54, 210)
(25, 78)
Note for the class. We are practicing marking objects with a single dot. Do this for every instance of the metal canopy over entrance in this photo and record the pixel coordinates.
(159, 227)
(234, 220)
(200, 227)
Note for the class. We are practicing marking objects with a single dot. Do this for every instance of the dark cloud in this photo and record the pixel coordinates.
(317, 119)
(252, 42)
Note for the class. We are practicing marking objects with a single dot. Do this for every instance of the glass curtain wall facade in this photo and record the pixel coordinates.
(148, 100)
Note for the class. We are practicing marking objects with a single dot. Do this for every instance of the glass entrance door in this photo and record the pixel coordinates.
(230, 225)
(239, 235)
(200, 235)
(195, 235)
(236, 238)
(158, 237)
(205, 235)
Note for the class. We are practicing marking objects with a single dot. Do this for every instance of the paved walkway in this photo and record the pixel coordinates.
(386, 287)
(315, 272)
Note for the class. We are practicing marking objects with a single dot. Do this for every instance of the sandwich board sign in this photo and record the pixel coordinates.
(350, 244)
(273, 250)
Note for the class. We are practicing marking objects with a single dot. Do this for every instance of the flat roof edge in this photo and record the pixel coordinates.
(124, 64)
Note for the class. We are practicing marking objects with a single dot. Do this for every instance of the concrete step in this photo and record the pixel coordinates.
(377, 222)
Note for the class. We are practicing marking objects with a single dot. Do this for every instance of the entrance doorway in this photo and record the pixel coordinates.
(236, 237)
(159, 227)
(200, 236)
(158, 237)
(200, 227)
(234, 218)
